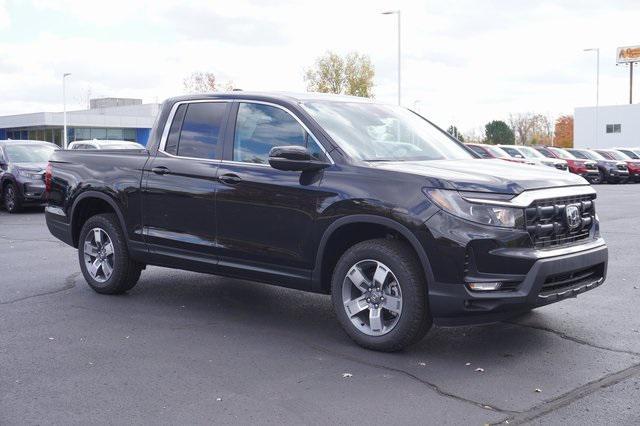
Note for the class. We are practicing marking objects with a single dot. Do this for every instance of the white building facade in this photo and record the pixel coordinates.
(616, 126)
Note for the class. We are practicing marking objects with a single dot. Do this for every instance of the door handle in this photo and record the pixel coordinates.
(230, 178)
(161, 170)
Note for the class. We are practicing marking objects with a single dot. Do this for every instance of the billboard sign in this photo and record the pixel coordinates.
(628, 54)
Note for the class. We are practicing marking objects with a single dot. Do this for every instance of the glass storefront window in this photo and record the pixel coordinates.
(129, 135)
(98, 134)
(114, 134)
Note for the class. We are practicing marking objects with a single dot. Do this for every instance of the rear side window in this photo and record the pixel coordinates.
(261, 127)
(196, 130)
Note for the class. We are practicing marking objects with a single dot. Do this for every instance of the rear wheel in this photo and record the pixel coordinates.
(379, 295)
(12, 202)
(104, 258)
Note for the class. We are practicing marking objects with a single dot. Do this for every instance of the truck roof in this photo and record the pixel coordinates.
(271, 96)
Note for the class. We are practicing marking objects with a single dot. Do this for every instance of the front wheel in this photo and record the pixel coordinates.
(12, 201)
(379, 295)
(104, 258)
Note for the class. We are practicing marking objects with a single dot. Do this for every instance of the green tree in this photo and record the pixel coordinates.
(349, 75)
(498, 132)
(453, 131)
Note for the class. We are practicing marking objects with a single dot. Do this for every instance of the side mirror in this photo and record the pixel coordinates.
(294, 158)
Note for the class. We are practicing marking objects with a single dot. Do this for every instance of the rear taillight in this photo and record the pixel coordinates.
(47, 178)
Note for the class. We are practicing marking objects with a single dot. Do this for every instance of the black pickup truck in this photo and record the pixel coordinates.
(368, 202)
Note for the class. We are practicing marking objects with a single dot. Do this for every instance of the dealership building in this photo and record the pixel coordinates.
(107, 118)
(607, 126)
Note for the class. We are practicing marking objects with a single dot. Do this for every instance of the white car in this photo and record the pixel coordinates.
(104, 144)
(533, 155)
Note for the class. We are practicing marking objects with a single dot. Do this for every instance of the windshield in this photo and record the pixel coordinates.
(495, 151)
(563, 154)
(28, 153)
(629, 153)
(593, 155)
(545, 152)
(512, 151)
(530, 152)
(617, 155)
(376, 132)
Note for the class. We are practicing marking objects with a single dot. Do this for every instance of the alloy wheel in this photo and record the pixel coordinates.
(372, 297)
(98, 254)
(10, 198)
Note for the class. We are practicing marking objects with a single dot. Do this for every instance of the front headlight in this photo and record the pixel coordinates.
(486, 214)
(28, 175)
(549, 163)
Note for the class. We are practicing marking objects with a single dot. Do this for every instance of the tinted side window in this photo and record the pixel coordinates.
(174, 132)
(261, 127)
(201, 130)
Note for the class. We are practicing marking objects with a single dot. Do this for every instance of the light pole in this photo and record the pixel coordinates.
(64, 109)
(597, 50)
(397, 12)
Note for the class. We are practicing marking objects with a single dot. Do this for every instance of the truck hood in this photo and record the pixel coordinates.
(490, 175)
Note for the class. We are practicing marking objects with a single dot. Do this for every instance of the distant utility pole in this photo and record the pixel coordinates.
(597, 50)
(631, 64)
(64, 109)
(397, 12)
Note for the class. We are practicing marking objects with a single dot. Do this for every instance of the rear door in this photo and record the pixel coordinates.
(180, 183)
(265, 216)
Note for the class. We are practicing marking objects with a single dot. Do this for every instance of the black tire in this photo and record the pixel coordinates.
(12, 201)
(125, 272)
(414, 320)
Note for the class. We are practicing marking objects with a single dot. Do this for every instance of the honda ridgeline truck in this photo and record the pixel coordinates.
(368, 202)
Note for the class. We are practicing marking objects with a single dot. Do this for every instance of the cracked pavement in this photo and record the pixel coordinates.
(187, 348)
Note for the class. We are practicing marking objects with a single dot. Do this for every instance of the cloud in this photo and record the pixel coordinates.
(463, 61)
(5, 22)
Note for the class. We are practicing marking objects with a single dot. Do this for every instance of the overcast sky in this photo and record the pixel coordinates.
(464, 62)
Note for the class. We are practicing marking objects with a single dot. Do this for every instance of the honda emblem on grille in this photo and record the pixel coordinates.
(573, 216)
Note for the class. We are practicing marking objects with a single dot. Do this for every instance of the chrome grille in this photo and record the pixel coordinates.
(546, 220)
(590, 166)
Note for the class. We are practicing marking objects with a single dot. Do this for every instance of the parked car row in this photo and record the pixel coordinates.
(615, 165)
(23, 164)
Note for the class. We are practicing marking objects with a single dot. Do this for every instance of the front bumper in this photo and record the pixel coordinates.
(455, 304)
(32, 192)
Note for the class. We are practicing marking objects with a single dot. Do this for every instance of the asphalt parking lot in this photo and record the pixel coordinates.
(186, 348)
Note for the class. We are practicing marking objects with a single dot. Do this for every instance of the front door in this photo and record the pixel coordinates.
(180, 184)
(264, 215)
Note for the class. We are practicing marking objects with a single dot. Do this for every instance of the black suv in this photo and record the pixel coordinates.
(22, 166)
(372, 203)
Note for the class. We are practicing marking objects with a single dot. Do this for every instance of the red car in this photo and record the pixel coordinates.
(632, 165)
(588, 169)
(491, 151)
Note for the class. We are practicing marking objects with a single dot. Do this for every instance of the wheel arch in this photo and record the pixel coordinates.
(82, 209)
(321, 278)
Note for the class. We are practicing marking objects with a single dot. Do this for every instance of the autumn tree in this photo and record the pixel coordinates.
(453, 131)
(349, 75)
(542, 133)
(564, 132)
(204, 82)
(530, 128)
(497, 132)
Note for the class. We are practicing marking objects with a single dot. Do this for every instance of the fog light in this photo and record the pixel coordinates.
(484, 286)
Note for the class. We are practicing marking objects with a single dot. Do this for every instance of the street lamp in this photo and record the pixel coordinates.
(597, 50)
(64, 109)
(397, 12)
